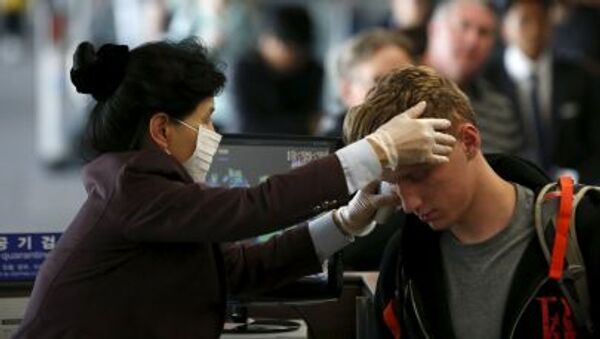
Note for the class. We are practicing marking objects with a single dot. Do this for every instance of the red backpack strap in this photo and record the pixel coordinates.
(390, 318)
(563, 220)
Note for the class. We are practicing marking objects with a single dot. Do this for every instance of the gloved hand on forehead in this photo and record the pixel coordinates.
(407, 140)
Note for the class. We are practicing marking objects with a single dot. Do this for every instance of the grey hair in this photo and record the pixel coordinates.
(364, 45)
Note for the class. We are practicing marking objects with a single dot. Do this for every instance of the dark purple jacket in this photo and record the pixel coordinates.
(146, 256)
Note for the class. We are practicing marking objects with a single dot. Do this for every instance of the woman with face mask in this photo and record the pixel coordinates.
(150, 253)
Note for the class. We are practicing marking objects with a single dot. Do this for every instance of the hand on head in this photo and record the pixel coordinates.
(357, 218)
(408, 140)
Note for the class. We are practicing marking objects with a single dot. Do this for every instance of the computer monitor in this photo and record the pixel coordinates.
(247, 160)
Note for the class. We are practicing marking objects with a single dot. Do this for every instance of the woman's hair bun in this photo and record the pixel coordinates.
(99, 73)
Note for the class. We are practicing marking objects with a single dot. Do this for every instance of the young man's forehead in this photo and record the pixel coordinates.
(407, 171)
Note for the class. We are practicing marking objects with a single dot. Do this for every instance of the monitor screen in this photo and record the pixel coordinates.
(247, 160)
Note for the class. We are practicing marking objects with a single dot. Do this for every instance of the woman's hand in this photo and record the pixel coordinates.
(407, 140)
(357, 218)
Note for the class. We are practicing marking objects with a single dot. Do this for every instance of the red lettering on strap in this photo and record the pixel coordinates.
(553, 325)
(567, 321)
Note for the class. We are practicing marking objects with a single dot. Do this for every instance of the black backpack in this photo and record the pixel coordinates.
(554, 214)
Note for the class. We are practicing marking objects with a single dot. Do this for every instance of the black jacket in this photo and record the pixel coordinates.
(412, 273)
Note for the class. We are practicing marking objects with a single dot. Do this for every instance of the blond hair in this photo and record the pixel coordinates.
(401, 89)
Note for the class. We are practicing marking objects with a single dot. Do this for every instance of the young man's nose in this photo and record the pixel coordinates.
(411, 202)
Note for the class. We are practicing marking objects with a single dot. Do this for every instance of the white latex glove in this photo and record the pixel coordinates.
(357, 218)
(384, 213)
(406, 140)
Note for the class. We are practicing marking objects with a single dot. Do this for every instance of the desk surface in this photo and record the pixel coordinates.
(369, 279)
(300, 333)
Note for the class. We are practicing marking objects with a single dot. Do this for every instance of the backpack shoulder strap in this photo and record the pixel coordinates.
(542, 217)
(561, 246)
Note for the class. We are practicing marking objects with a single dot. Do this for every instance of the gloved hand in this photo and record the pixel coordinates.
(406, 140)
(357, 218)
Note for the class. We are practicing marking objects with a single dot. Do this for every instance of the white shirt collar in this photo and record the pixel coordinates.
(520, 67)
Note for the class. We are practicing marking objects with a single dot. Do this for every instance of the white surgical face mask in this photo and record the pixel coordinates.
(207, 144)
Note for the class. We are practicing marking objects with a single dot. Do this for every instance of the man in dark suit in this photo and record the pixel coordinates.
(554, 97)
(277, 86)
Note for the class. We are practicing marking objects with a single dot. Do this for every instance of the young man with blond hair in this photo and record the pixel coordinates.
(467, 263)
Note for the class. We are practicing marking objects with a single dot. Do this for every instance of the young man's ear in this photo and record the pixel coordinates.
(158, 129)
(469, 139)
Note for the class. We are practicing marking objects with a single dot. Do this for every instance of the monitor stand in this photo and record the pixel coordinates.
(239, 323)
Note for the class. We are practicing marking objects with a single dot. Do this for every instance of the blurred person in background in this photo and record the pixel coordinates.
(360, 61)
(554, 97)
(577, 33)
(225, 26)
(277, 88)
(12, 38)
(409, 17)
(130, 22)
(461, 38)
(229, 29)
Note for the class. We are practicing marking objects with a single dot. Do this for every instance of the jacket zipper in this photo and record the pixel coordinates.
(535, 291)
(414, 304)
